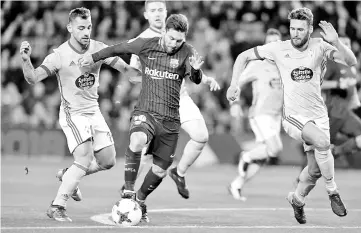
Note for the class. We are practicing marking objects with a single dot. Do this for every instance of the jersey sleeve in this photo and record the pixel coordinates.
(328, 50)
(110, 60)
(267, 51)
(133, 46)
(51, 63)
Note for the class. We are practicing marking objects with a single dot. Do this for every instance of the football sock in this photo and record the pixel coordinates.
(325, 162)
(131, 167)
(190, 154)
(305, 185)
(150, 183)
(70, 181)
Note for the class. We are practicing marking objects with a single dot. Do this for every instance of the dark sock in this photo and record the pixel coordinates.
(150, 183)
(131, 166)
(345, 148)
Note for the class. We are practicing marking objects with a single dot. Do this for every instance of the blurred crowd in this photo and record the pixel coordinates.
(219, 30)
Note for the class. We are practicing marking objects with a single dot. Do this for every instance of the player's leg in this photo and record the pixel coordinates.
(306, 182)
(80, 144)
(314, 135)
(351, 127)
(142, 129)
(144, 160)
(194, 125)
(103, 145)
(267, 131)
(163, 148)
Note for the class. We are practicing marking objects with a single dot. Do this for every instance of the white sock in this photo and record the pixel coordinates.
(190, 154)
(69, 182)
(326, 162)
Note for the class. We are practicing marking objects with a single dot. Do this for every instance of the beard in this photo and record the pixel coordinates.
(83, 42)
(301, 42)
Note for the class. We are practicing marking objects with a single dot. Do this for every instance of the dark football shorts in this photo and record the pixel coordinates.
(162, 136)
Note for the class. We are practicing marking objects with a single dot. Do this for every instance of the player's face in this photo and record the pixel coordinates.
(156, 13)
(300, 32)
(81, 30)
(173, 40)
(272, 38)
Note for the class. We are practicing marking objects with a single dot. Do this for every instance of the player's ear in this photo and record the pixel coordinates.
(311, 29)
(70, 29)
(145, 15)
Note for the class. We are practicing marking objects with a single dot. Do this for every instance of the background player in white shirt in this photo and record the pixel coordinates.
(88, 136)
(302, 62)
(265, 116)
(191, 118)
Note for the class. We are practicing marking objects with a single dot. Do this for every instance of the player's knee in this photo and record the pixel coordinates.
(158, 171)
(322, 142)
(109, 161)
(138, 141)
(200, 136)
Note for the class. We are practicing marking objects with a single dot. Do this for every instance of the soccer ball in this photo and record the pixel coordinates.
(126, 212)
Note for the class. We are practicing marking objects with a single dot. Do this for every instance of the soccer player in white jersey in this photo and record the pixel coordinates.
(88, 136)
(264, 117)
(301, 62)
(191, 118)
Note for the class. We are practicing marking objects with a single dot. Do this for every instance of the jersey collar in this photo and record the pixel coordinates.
(77, 51)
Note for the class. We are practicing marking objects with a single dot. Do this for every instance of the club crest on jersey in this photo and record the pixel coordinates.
(174, 63)
(301, 74)
(85, 81)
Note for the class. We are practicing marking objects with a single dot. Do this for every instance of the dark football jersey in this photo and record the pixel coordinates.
(162, 73)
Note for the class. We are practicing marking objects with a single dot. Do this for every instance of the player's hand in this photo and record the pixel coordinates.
(213, 84)
(86, 60)
(25, 50)
(347, 82)
(329, 33)
(196, 61)
(233, 93)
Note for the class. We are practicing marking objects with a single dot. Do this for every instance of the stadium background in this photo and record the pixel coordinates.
(219, 30)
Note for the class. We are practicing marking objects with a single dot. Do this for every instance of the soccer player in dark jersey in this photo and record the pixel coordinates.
(165, 61)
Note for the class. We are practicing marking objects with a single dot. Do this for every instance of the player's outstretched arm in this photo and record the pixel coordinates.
(344, 54)
(31, 75)
(238, 68)
(133, 74)
(128, 47)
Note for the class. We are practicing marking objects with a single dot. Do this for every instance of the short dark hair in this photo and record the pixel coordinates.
(302, 14)
(150, 1)
(273, 31)
(177, 22)
(81, 12)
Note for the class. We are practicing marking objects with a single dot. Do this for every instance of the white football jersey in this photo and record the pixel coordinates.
(266, 88)
(78, 85)
(301, 74)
